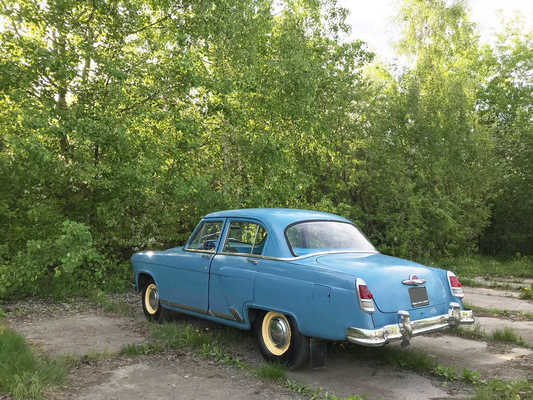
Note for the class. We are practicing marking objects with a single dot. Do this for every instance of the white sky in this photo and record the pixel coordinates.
(371, 20)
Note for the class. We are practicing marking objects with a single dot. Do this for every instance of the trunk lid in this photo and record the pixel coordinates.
(384, 275)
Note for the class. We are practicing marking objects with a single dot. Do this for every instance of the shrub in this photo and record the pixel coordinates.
(55, 266)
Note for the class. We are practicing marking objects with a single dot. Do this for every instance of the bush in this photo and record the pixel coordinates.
(54, 267)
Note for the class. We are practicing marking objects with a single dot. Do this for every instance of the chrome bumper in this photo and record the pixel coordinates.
(405, 328)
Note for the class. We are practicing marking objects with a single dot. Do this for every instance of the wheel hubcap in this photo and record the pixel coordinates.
(279, 332)
(153, 299)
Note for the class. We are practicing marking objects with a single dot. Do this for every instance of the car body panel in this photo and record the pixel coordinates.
(318, 289)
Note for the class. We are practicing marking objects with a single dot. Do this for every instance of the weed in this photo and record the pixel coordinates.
(472, 377)
(495, 389)
(495, 311)
(23, 374)
(448, 373)
(273, 372)
(526, 293)
(132, 350)
(507, 335)
(477, 332)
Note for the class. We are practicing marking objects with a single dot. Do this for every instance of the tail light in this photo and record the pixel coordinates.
(455, 286)
(364, 295)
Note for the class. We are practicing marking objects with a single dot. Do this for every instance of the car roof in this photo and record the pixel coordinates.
(277, 216)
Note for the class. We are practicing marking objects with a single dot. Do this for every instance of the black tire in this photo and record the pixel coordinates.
(150, 302)
(280, 341)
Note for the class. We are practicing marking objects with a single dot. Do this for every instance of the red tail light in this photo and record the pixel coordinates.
(364, 293)
(454, 282)
(455, 286)
(364, 296)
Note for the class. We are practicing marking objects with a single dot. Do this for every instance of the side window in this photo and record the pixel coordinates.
(206, 237)
(245, 238)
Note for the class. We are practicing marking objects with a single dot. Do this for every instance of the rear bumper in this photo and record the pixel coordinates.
(405, 328)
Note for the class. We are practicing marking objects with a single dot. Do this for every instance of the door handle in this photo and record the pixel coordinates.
(253, 261)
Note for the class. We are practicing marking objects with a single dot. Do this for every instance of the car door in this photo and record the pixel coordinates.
(234, 268)
(186, 284)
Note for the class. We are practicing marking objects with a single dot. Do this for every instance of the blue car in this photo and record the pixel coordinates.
(299, 278)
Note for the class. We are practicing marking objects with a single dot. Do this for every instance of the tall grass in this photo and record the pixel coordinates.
(22, 373)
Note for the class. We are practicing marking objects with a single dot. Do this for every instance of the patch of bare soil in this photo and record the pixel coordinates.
(496, 299)
(169, 376)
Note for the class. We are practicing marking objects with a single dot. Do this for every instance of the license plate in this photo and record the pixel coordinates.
(419, 296)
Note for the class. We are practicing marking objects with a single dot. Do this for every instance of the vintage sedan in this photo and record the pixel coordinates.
(298, 278)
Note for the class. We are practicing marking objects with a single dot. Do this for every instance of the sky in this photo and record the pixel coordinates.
(372, 20)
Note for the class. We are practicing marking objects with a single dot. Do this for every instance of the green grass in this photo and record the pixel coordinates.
(273, 372)
(527, 293)
(495, 311)
(495, 389)
(507, 335)
(478, 265)
(23, 374)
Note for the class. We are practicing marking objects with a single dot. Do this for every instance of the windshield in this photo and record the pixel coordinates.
(314, 236)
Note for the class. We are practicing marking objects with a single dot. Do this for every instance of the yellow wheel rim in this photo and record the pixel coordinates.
(151, 299)
(276, 332)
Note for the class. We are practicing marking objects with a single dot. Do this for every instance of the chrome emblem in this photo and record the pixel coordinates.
(413, 280)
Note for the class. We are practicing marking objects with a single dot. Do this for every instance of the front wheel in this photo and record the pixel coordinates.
(150, 302)
(280, 341)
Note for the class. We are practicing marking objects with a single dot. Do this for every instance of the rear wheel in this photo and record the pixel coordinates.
(150, 302)
(280, 341)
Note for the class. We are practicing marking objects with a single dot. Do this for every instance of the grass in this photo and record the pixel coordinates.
(527, 293)
(496, 312)
(22, 373)
(496, 389)
(273, 372)
(478, 265)
(505, 335)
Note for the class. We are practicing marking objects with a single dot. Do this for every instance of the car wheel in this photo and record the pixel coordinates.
(150, 302)
(280, 341)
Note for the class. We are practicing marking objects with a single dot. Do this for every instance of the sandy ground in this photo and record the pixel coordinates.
(496, 299)
(82, 331)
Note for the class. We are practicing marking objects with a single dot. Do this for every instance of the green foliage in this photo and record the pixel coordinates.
(273, 372)
(503, 390)
(448, 373)
(507, 335)
(128, 121)
(472, 377)
(23, 374)
(67, 261)
(489, 267)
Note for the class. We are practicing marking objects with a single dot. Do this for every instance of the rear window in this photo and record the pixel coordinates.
(314, 236)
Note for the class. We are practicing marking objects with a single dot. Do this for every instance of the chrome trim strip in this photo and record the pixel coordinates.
(223, 316)
(202, 311)
(320, 253)
(200, 251)
(405, 328)
(183, 306)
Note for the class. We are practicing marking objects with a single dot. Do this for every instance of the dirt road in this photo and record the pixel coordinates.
(82, 330)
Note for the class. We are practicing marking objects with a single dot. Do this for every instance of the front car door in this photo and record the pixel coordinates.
(188, 286)
(234, 268)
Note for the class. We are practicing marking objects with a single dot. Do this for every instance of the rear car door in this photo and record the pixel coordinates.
(234, 268)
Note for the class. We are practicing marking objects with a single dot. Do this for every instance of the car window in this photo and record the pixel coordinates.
(206, 237)
(312, 236)
(245, 238)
